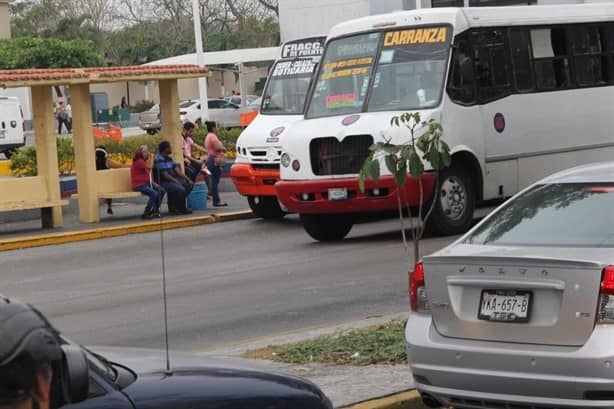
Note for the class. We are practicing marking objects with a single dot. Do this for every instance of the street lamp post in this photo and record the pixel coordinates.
(200, 60)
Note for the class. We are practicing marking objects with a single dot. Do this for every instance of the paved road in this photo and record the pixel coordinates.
(226, 282)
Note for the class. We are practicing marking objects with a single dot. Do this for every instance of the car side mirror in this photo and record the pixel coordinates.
(76, 374)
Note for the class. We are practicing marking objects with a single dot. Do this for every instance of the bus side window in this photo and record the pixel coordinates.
(609, 48)
(589, 56)
(461, 80)
(521, 59)
(491, 64)
(550, 58)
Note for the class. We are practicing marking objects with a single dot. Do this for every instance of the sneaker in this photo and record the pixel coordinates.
(147, 216)
(186, 211)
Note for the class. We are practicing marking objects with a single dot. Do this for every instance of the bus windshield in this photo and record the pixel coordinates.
(287, 87)
(409, 73)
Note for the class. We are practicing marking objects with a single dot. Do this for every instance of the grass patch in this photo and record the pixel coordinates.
(382, 344)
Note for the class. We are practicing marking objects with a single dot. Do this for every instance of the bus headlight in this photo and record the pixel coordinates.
(285, 160)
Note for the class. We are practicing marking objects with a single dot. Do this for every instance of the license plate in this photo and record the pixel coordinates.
(338, 194)
(505, 306)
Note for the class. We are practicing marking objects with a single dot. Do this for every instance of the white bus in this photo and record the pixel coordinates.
(256, 169)
(521, 92)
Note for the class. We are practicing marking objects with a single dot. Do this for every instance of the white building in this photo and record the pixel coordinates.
(300, 18)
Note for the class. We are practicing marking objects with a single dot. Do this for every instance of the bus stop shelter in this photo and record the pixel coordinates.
(43, 191)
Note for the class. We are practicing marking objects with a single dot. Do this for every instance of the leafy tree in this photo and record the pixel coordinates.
(50, 19)
(30, 52)
(408, 160)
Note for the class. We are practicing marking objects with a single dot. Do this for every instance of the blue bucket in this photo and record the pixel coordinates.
(197, 199)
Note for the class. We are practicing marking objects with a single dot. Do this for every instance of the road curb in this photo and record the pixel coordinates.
(402, 400)
(5, 167)
(51, 239)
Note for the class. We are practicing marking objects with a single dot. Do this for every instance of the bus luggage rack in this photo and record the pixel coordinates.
(331, 157)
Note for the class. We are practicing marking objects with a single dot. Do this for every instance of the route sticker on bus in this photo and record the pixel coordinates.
(341, 100)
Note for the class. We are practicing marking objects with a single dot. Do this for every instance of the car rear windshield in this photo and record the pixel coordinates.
(569, 214)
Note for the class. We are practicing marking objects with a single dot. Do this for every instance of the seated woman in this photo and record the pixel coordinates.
(103, 162)
(140, 174)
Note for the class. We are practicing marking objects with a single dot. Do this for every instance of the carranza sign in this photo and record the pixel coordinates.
(308, 47)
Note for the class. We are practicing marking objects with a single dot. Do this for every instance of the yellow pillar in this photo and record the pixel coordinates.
(169, 111)
(85, 153)
(46, 150)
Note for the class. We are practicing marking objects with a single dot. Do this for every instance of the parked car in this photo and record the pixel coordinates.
(236, 99)
(124, 378)
(223, 112)
(12, 131)
(519, 312)
(149, 121)
(255, 104)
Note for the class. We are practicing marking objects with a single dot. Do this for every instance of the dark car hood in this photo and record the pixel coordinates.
(203, 382)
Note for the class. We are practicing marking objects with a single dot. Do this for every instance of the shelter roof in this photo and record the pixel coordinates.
(93, 75)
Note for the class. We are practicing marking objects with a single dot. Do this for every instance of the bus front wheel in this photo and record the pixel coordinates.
(265, 207)
(327, 227)
(454, 204)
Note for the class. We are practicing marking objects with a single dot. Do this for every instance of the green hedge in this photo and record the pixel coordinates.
(23, 162)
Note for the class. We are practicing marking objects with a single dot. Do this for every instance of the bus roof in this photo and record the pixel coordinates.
(464, 18)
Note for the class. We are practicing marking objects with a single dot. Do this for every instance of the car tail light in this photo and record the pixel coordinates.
(417, 290)
(605, 314)
(183, 113)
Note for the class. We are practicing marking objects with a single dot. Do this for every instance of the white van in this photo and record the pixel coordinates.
(256, 169)
(12, 135)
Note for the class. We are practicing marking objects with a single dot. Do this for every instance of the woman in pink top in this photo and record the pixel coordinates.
(215, 149)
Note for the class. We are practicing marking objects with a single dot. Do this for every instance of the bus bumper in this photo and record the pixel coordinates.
(313, 196)
(251, 181)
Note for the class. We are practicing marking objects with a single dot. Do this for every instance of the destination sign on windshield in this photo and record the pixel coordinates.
(309, 47)
(294, 68)
(429, 35)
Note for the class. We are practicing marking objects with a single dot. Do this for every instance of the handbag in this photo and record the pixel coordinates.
(220, 162)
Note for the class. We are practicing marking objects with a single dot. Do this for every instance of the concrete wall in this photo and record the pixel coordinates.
(5, 20)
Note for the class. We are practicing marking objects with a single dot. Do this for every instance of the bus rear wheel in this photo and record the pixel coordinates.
(265, 207)
(454, 204)
(327, 227)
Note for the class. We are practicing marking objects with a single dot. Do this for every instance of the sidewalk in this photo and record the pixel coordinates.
(127, 213)
(344, 385)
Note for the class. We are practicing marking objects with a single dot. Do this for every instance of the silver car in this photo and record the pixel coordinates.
(519, 313)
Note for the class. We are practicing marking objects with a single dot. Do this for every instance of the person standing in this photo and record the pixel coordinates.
(215, 161)
(123, 104)
(170, 176)
(140, 174)
(61, 114)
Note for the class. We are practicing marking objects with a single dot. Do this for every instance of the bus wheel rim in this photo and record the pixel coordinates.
(453, 198)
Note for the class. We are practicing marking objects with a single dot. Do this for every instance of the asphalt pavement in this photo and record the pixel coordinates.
(226, 282)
